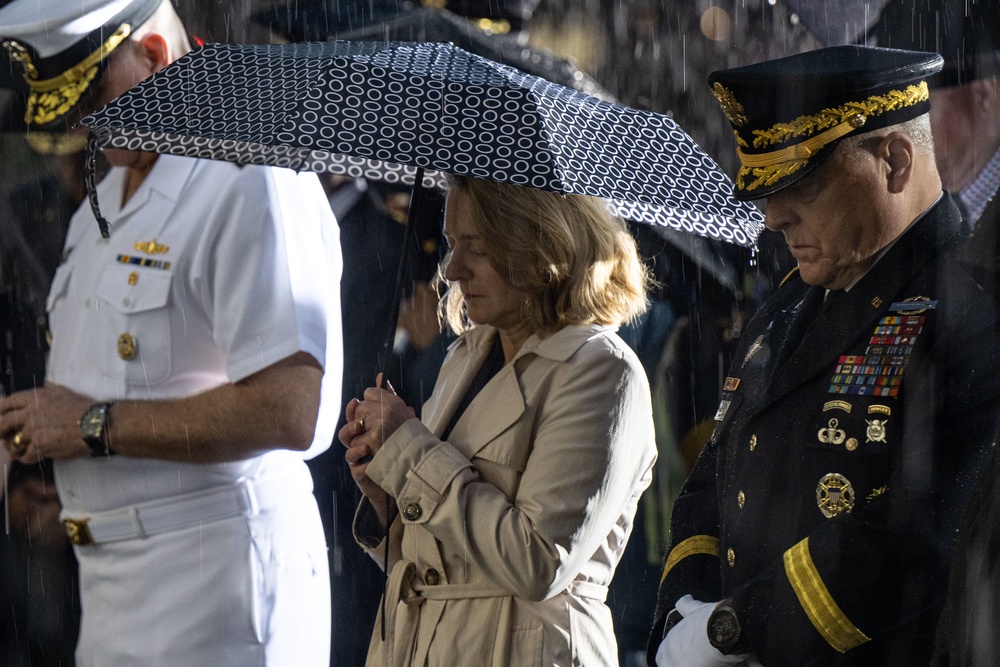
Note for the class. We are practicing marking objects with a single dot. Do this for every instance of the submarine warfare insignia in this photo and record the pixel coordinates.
(151, 247)
(876, 430)
(834, 495)
(831, 435)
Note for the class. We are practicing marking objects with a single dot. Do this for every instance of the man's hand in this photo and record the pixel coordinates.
(686, 645)
(43, 423)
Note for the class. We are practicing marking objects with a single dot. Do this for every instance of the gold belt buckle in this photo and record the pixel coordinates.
(79, 533)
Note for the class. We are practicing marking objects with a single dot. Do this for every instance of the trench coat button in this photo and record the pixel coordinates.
(432, 578)
(731, 557)
(128, 346)
(741, 498)
(412, 512)
(753, 442)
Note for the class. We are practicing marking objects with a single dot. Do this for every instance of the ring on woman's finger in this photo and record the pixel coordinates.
(361, 423)
(20, 445)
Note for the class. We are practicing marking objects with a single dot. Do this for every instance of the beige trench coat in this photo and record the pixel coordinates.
(509, 533)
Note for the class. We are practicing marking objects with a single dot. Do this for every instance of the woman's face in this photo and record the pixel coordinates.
(489, 299)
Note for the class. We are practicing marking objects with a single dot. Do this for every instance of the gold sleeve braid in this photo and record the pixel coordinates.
(822, 610)
(698, 544)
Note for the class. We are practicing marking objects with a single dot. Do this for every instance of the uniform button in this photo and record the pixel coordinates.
(741, 498)
(753, 442)
(133, 278)
(432, 578)
(731, 557)
(412, 512)
(126, 301)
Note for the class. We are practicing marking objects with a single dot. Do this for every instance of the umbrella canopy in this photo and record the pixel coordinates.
(382, 110)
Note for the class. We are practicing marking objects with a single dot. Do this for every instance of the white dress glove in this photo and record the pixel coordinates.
(686, 645)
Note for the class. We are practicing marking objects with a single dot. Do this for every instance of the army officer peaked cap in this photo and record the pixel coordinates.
(62, 49)
(789, 114)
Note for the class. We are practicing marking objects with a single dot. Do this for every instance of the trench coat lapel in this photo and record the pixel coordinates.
(498, 405)
(838, 329)
(501, 403)
(468, 353)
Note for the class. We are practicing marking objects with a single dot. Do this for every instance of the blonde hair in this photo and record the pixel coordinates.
(574, 261)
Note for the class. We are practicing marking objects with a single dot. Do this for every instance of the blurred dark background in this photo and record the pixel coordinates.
(653, 55)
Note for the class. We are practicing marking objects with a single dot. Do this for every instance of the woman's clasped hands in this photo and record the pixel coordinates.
(370, 422)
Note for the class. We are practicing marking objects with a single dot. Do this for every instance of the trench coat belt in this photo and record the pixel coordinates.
(404, 586)
(584, 589)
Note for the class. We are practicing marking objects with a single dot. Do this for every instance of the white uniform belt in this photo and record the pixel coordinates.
(155, 517)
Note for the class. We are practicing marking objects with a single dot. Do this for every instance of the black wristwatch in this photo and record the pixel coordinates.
(94, 428)
(724, 630)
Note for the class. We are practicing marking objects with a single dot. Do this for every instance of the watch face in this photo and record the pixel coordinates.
(92, 423)
(725, 628)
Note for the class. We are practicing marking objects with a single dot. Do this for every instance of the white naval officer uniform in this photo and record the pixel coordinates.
(212, 273)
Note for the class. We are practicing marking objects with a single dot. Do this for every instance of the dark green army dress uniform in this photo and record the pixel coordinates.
(850, 431)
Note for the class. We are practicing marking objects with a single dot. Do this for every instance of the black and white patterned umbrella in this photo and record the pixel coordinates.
(382, 110)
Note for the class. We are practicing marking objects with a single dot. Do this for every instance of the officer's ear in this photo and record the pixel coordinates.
(156, 51)
(897, 153)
